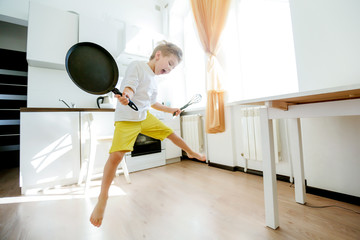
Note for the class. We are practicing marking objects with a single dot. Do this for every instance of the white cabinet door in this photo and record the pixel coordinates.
(145, 161)
(106, 34)
(51, 33)
(102, 130)
(49, 149)
(171, 150)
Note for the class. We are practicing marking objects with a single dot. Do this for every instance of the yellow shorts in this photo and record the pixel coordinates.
(126, 132)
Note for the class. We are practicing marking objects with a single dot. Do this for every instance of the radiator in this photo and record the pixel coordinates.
(250, 129)
(192, 132)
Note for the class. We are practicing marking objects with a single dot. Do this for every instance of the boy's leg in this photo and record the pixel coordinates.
(153, 127)
(178, 141)
(108, 176)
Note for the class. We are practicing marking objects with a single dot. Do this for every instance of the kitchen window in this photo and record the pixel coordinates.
(257, 52)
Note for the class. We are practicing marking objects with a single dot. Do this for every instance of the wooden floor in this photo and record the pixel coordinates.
(181, 201)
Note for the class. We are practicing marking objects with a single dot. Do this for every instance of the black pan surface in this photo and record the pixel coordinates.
(93, 69)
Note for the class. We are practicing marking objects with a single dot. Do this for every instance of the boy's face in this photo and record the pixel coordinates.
(164, 64)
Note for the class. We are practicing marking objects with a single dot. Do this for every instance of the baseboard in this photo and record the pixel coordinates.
(250, 171)
(333, 195)
(222, 166)
(311, 190)
(173, 160)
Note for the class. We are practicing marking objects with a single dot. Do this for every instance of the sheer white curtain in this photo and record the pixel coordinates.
(194, 61)
(257, 53)
(258, 50)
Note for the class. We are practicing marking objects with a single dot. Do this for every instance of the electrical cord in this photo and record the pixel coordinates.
(327, 206)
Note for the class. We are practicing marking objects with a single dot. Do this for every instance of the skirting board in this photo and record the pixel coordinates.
(173, 160)
(311, 190)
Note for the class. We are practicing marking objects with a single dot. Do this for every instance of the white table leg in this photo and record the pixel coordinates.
(297, 159)
(270, 185)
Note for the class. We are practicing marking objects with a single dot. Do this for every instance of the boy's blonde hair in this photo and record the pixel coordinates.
(167, 48)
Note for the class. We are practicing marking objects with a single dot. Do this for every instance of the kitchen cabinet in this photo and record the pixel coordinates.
(102, 127)
(136, 44)
(145, 161)
(54, 142)
(139, 41)
(104, 33)
(51, 33)
(49, 149)
(172, 151)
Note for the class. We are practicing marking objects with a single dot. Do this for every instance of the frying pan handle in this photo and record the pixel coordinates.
(116, 91)
(131, 104)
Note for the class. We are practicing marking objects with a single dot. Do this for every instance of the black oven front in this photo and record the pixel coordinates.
(145, 145)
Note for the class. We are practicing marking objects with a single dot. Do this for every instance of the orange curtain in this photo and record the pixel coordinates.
(210, 17)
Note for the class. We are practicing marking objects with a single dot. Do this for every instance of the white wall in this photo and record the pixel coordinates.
(326, 36)
(332, 153)
(327, 49)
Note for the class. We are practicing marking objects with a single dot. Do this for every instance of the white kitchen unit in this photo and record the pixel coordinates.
(55, 142)
(106, 34)
(170, 153)
(173, 151)
(138, 41)
(51, 33)
(145, 161)
(102, 127)
(49, 149)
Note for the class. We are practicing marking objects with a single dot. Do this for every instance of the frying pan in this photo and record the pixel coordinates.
(93, 69)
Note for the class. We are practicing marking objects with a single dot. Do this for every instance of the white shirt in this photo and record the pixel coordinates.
(141, 79)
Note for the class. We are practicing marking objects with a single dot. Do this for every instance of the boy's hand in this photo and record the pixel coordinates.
(126, 95)
(176, 111)
(124, 99)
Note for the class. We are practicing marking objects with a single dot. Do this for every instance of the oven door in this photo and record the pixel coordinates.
(145, 145)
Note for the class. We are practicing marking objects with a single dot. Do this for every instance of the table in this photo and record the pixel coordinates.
(339, 101)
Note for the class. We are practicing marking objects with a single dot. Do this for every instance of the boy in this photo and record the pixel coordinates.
(139, 85)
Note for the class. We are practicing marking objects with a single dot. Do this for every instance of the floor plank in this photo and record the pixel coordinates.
(185, 200)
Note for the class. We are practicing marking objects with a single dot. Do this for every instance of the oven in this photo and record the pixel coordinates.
(148, 152)
(145, 145)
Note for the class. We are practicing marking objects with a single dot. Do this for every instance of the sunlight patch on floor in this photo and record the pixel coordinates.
(63, 193)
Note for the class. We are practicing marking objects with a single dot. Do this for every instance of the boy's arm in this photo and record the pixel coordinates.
(164, 108)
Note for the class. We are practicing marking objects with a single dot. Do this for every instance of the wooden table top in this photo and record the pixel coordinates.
(314, 96)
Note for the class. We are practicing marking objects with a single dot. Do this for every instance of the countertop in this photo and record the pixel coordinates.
(67, 110)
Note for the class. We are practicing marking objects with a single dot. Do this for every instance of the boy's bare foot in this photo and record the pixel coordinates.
(98, 213)
(198, 156)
